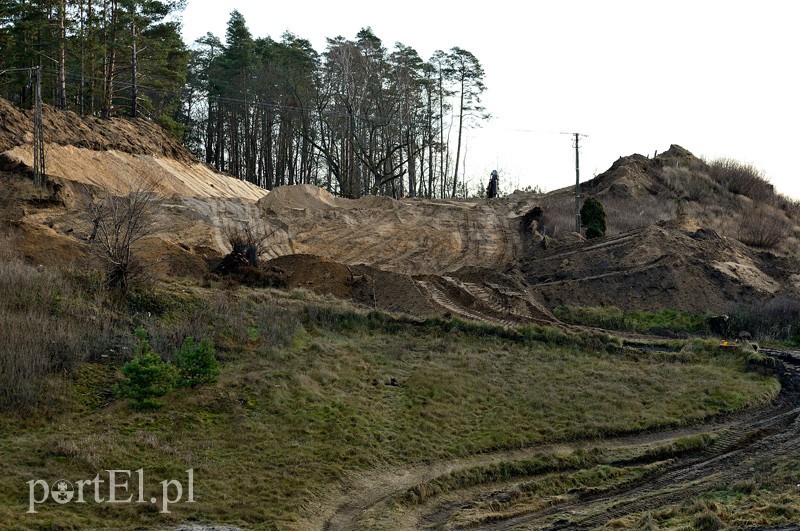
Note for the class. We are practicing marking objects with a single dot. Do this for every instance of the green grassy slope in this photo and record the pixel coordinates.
(305, 398)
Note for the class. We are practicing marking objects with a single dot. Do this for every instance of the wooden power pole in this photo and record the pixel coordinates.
(576, 145)
(39, 174)
(35, 76)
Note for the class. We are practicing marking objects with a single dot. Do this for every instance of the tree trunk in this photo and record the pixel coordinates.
(209, 140)
(412, 168)
(61, 92)
(458, 143)
(110, 57)
(134, 69)
(441, 133)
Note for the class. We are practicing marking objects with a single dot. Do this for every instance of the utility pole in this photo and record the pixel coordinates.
(35, 76)
(577, 184)
(576, 145)
(39, 175)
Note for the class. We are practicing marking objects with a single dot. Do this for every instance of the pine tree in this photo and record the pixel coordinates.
(464, 70)
(593, 218)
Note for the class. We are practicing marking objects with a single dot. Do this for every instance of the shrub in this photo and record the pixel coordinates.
(791, 207)
(686, 183)
(196, 363)
(762, 227)
(247, 240)
(118, 225)
(147, 377)
(593, 218)
(740, 178)
(707, 521)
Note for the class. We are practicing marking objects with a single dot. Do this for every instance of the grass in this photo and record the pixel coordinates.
(304, 398)
(613, 318)
(288, 420)
(728, 508)
(767, 496)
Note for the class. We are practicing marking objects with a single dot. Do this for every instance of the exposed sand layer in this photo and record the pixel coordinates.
(477, 259)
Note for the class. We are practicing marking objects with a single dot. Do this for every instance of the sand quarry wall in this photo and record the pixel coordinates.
(120, 172)
(667, 266)
(410, 236)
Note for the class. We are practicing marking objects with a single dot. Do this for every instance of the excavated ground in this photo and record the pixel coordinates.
(477, 259)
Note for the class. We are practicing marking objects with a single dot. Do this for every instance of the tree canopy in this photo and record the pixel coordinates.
(358, 118)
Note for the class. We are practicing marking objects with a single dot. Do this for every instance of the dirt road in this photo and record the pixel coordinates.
(745, 444)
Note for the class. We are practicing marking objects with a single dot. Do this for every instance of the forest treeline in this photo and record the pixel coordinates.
(357, 118)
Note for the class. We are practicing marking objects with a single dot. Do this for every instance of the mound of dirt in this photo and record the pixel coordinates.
(408, 237)
(119, 173)
(478, 259)
(361, 283)
(667, 265)
(65, 128)
(636, 176)
(299, 197)
(306, 197)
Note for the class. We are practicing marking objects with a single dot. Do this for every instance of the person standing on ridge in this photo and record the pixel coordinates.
(494, 185)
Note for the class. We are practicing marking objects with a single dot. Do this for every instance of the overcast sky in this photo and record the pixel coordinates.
(720, 78)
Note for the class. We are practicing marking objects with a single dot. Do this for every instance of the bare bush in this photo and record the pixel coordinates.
(553, 223)
(762, 227)
(246, 238)
(791, 207)
(118, 225)
(688, 184)
(743, 179)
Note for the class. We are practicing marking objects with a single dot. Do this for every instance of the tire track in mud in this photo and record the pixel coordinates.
(471, 301)
(773, 431)
(756, 433)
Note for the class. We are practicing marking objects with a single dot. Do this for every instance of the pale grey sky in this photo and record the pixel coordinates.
(717, 77)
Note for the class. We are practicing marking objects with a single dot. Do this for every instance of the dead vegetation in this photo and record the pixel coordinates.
(743, 179)
(48, 324)
(763, 227)
(119, 223)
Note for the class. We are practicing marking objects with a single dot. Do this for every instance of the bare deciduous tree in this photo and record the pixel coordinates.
(118, 224)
